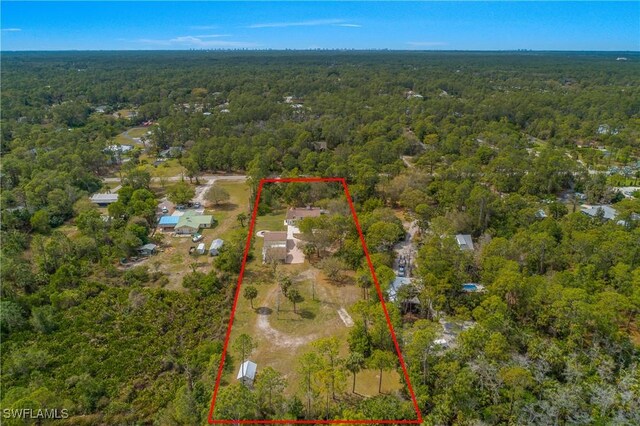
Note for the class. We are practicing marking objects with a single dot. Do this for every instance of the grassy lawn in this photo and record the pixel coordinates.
(283, 335)
(272, 222)
(121, 140)
(226, 213)
(138, 132)
(167, 169)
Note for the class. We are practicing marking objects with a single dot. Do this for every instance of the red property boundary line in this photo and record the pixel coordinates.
(210, 419)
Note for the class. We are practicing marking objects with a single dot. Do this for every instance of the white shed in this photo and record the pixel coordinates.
(215, 247)
(200, 249)
(247, 373)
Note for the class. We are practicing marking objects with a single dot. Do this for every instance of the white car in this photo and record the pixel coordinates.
(196, 238)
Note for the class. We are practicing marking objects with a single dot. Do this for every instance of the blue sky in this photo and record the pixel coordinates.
(308, 25)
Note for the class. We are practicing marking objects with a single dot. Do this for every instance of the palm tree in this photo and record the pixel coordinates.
(294, 296)
(250, 293)
(242, 218)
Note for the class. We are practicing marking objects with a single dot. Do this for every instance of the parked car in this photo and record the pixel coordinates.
(196, 238)
(196, 205)
(165, 210)
(180, 207)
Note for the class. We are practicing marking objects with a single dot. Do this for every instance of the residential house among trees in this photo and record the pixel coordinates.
(275, 247)
(104, 199)
(294, 214)
(191, 222)
(607, 212)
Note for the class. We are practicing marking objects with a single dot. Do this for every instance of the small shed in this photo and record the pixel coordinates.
(247, 373)
(465, 242)
(200, 249)
(147, 249)
(215, 247)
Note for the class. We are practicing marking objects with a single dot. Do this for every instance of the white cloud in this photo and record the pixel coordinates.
(196, 41)
(12, 30)
(349, 25)
(203, 27)
(426, 43)
(310, 23)
(212, 35)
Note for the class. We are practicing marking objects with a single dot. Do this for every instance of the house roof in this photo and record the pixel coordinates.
(275, 252)
(275, 236)
(169, 220)
(302, 212)
(247, 370)
(464, 241)
(609, 212)
(216, 244)
(104, 198)
(148, 246)
(119, 148)
(194, 221)
(395, 286)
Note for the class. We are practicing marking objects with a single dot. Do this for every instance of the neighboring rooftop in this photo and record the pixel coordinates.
(119, 148)
(296, 213)
(272, 236)
(104, 198)
(169, 220)
(216, 244)
(194, 220)
(607, 211)
(465, 242)
(247, 371)
(541, 214)
(396, 285)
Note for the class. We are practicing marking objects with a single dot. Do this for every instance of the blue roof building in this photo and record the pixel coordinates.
(168, 222)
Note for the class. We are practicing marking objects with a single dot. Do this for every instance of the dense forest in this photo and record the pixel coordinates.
(504, 147)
